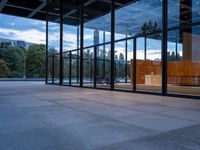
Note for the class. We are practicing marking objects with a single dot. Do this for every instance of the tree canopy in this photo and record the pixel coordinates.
(35, 61)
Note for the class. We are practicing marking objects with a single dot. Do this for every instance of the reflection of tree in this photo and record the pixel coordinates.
(88, 63)
(52, 51)
(149, 27)
(172, 56)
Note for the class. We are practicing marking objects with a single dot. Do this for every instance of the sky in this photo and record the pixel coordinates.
(17, 28)
(34, 31)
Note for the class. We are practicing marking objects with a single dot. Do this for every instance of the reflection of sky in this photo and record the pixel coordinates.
(129, 20)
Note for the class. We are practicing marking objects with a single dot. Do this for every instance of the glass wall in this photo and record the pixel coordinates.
(103, 68)
(183, 66)
(138, 36)
(145, 27)
(53, 44)
(124, 64)
(97, 27)
(149, 64)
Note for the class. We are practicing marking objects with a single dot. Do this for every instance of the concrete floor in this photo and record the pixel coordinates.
(34, 116)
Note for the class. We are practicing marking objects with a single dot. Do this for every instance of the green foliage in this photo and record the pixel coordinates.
(14, 57)
(35, 61)
(4, 70)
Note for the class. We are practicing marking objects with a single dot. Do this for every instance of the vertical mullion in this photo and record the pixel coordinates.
(134, 63)
(95, 66)
(53, 69)
(81, 43)
(126, 65)
(46, 54)
(145, 47)
(164, 46)
(70, 68)
(61, 42)
(104, 54)
(176, 46)
(112, 44)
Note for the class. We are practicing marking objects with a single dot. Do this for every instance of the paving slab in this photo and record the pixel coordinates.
(35, 116)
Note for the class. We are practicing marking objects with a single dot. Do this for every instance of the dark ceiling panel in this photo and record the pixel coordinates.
(93, 9)
(33, 4)
(16, 11)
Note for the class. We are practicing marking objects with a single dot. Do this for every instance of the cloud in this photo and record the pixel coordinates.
(32, 35)
(13, 24)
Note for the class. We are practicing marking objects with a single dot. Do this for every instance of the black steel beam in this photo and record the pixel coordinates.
(3, 4)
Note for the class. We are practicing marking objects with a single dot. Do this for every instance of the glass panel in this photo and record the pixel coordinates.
(97, 28)
(66, 68)
(71, 41)
(149, 64)
(103, 66)
(124, 65)
(56, 69)
(88, 67)
(54, 41)
(183, 66)
(184, 61)
(75, 68)
(50, 69)
(139, 15)
(97, 24)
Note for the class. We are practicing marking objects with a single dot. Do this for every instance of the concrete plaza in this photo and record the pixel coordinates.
(35, 116)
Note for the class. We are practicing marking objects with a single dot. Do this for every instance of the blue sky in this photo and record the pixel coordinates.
(17, 28)
(34, 31)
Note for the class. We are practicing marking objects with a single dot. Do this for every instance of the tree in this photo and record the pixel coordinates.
(4, 70)
(121, 57)
(172, 56)
(14, 57)
(149, 27)
(35, 61)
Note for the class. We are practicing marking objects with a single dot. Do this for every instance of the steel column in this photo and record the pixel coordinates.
(112, 45)
(164, 46)
(61, 43)
(134, 63)
(53, 69)
(95, 66)
(81, 42)
(70, 68)
(126, 65)
(46, 53)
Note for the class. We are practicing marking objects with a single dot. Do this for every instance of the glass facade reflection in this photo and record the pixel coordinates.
(138, 46)
(183, 49)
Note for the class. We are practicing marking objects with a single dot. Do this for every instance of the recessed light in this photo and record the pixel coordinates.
(56, 9)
